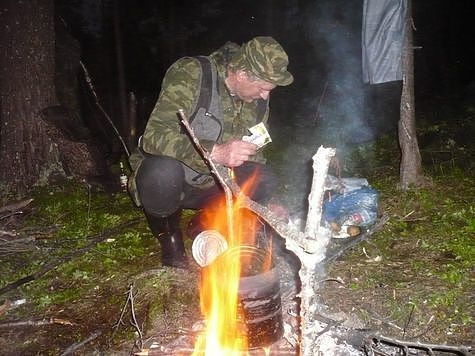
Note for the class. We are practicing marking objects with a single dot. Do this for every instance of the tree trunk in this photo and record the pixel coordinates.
(410, 167)
(26, 87)
(119, 55)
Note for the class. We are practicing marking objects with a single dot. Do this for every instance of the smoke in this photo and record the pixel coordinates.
(331, 102)
(333, 29)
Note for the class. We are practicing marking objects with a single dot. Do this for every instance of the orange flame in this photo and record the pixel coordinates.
(219, 286)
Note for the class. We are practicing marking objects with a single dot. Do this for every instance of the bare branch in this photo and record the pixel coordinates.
(405, 345)
(42, 322)
(214, 168)
(15, 206)
(76, 346)
(231, 188)
(106, 115)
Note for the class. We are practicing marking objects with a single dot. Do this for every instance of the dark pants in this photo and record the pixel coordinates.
(163, 190)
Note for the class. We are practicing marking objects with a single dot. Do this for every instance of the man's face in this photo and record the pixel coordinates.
(249, 90)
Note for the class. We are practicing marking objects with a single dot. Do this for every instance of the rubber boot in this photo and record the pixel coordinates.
(167, 232)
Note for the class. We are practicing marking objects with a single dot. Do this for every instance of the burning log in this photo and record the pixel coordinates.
(309, 246)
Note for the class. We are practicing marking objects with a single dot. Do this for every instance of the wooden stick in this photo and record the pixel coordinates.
(76, 346)
(103, 111)
(296, 239)
(15, 206)
(427, 348)
(321, 162)
(279, 225)
(214, 169)
(42, 322)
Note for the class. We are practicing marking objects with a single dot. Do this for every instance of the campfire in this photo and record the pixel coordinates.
(239, 289)
(229, 325)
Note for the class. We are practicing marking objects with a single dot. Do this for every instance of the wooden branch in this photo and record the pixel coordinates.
(77, 345)
(429, 348)
(309, 272)
(10, 247)
(231, 188)
(42, 322)
(103, 111)
(296, 241)
(296, 238)
(95, 239)
(214, 169)
(15, 206)
(321, 162)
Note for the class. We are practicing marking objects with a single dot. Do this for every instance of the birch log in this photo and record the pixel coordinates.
(309, 272)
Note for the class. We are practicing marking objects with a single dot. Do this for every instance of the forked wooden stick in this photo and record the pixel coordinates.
(309, 246)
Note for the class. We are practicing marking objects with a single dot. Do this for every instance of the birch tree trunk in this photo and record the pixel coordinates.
(410, 168)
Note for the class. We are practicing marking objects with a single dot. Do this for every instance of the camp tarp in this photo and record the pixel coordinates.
(382, 35)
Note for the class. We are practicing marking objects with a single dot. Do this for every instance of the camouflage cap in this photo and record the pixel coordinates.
(266, 59)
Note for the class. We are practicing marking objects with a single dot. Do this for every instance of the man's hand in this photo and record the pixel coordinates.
(233, 153)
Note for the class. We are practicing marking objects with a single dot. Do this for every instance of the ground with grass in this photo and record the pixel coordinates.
(414, 279)
(94, 281)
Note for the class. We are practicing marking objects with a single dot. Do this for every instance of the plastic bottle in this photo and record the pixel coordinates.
(123, 179)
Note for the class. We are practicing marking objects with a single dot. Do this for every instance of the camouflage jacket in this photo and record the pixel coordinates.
(164, 135)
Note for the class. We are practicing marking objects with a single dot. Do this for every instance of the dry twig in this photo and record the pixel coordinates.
(15, 206)
(134, 322)
(372, 342)
(214, 168)
(77, 345)
(98, 104)
(42, 322)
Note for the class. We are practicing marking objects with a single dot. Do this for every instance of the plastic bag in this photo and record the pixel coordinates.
(344, 185)
(359, 208)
